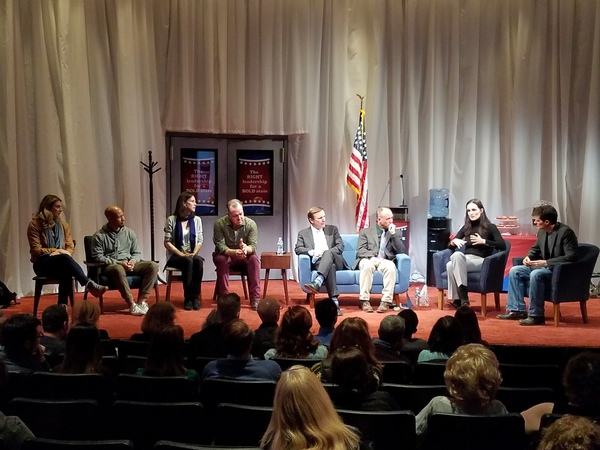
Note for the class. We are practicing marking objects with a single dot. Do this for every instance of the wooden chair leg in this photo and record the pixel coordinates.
(169, 281)
(583, 307)
(497, 300)
(312, 300)
(36, 297)
(397, 300)
(156, 293)
(556, 314)
(440, 298)
(244, 285)
(483, 304)
(101, 303)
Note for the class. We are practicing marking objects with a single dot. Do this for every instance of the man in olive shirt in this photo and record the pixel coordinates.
(235, 238)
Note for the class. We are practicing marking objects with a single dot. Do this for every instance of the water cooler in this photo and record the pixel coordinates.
(438, 227)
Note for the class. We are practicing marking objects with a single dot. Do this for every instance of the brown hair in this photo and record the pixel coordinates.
(354, 332)
(43, 214)
(313, 210)
(294, 339)
(159, 316)
(571, 433)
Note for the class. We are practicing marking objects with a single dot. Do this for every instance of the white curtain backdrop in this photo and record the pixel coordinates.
(495, 99)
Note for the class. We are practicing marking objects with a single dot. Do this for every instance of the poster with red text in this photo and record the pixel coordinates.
(199, 176)
(254, 181)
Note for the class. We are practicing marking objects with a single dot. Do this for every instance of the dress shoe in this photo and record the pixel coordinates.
(312, 287)
(187, 305)
(532, 321)
(455, 303)
(512, 315)
(339, 312)
(366, 306)
(196, 305)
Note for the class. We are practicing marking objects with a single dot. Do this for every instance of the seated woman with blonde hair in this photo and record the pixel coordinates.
(472, 377)
(88, 312)
(304, 417)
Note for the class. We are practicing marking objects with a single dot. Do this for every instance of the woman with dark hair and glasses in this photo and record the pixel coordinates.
(479, 237)
(183, 240)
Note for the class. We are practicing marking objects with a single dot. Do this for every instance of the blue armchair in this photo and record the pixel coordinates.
(348, 280)
(571, 280)
(488, 280)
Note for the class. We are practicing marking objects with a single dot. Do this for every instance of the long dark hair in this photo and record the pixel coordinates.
(83, 353)
(180, 207)
(468, 320)
(165, 354)
(446, 336)
(294, 339)
(354, 332)
(480, 226)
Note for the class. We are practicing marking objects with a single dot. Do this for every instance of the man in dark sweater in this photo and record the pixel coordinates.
(55, 322)
(22, 350)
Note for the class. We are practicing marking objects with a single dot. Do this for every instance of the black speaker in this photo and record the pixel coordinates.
(438, 238)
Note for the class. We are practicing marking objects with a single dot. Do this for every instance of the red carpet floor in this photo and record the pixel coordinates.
(572, 331)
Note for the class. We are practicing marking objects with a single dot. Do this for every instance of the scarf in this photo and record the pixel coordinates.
(179, 233)
(55, 235)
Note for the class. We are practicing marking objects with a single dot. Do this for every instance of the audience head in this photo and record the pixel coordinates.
(21, 335)
(411, 322)
(545, 212)
(268, 310)
(85, 312)
(228, 307)
(165, 353)
(353, 332)
(472, 376)
(304, 417)
(391, 330)
(238, 337)
(294, 339)
(581, 380)
(470, 326)
(446, 336)
(571, 433)
(159, 315)
(83, 353)
(55, 320)
(49, 210)
(351, 372)
(326, 313)
(181, 210)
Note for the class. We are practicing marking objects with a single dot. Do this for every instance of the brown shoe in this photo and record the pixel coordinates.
(366, 306)
(95, 289)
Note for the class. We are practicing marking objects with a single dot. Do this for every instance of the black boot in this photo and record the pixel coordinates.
(187, 304)
(463, 295)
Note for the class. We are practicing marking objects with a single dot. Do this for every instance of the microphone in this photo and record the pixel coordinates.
(402, 184)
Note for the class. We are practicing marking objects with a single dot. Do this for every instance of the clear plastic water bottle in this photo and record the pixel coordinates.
(280, 246)
(417, 294)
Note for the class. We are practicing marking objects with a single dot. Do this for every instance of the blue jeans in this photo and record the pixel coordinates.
(525, 281)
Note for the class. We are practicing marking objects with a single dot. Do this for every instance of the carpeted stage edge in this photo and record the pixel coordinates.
(571, 332)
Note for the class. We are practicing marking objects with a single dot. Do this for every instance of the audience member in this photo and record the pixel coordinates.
(445, 337)
(51, 247)
(581, 381)
(294, 339)
(159, 316)
(235, 238)
(83, 352)
(165, 355)
(351, 332)
(355, 385)
(183, 240)
(88, 312)
(13, 432)
(239, 364)
(389, 343)
(264, 336)
(472, 377)
(55, 322)
(571, 433)
(470, 325)
(209, 341)
(326, 315)
(304, 417)
(117, 246)
(411, 322)
(22, 350)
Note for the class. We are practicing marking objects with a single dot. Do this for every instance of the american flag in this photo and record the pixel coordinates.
(357, 174)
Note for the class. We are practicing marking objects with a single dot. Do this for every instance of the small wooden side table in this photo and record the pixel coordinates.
(271, 260)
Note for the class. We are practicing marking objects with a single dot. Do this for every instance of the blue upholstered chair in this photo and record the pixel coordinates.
(488, 280)
(95, 272)
(348, 280)
(571, 280)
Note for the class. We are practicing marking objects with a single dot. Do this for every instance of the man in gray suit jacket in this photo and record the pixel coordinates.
(377, 250)
(556, 243)
(324, 245)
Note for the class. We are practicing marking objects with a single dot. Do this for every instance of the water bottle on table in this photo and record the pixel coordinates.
(280, 246)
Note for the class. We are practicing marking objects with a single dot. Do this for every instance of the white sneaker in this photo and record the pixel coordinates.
(135, 310)
(143, 306)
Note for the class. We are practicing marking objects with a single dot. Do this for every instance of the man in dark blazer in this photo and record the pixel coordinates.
(324, 245)
(377, 250)
(556, 243)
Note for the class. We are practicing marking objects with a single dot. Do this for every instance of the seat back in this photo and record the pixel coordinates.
(429, 373)
(171, 445)
(55, 444)
(156, 389)
(571, 281)
(68, 386)
(127, 347)
(251, 422)
(92, 270)
(413, 397)
(517, 399)
(399, 372)
(286, 363)
(383, 429)
(214, 391)
(467, 432)
(350, 248)
(531, 375)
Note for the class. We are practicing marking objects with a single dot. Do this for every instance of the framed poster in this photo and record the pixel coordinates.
(255, 181)
(199, 177)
